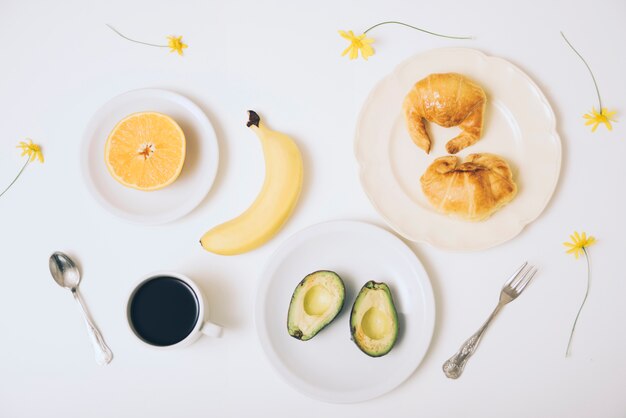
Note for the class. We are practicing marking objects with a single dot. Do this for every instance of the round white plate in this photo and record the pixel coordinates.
(330, 366)
(519, 125)
(173, 201)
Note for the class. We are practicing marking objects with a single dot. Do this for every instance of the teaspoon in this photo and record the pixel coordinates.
(66, 274)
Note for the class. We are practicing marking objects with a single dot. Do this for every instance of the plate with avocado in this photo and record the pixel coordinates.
(345, 311)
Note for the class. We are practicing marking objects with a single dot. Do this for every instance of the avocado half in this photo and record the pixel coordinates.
(316, 301)
(374, 320)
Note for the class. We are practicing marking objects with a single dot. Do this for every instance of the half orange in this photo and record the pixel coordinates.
(145, 151)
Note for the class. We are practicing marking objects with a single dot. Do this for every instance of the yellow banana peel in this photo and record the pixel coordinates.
(274, 204)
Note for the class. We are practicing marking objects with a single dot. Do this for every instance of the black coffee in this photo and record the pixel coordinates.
(164, 311)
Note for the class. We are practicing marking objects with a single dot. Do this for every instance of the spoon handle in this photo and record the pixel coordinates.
(102, 350)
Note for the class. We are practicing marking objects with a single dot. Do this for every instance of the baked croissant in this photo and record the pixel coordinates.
(473, 190)
(448, 100)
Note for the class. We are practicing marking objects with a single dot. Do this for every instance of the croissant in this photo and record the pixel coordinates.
(448, 100)
(473, 190)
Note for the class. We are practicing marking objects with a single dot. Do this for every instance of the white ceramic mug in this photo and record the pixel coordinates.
(202, 325)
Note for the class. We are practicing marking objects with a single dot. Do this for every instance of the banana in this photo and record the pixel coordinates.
(274, 204)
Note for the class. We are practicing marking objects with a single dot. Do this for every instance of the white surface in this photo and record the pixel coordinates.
(519, 125)
(173, 201)
(330, 366)
(60, 64)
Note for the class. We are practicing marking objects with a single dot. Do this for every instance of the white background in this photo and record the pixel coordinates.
(59, 63)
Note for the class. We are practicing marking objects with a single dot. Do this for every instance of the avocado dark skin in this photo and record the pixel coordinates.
(315, 303)
(374, 320)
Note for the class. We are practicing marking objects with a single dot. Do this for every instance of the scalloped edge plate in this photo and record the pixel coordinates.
(519, 125)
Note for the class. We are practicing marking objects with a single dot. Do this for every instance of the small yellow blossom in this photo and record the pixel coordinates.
(362, 42)
(32, 150)
(594, 118)
(357, 43)
(176, 44)
(578, 246)
(579, 243)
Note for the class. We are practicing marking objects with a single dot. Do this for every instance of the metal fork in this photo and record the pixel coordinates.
(453, 367)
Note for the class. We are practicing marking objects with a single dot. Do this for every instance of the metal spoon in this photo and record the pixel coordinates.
(67, 275)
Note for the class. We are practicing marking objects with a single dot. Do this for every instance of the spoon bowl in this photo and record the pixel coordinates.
(64, 270)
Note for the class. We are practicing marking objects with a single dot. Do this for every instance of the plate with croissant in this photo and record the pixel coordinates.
(458, 149)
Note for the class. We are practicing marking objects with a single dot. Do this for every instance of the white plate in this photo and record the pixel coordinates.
(173, 201)
(330, 366)
(519, 125)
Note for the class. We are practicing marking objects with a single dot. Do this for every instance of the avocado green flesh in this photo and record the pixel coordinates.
(315, 302)
(374, 320)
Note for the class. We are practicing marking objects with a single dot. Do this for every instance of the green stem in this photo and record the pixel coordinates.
(16, 177)
(569, 343)
(421, 30)
(588, 67)
(132, 40)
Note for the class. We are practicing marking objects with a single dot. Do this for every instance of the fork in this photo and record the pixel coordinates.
(453, 367)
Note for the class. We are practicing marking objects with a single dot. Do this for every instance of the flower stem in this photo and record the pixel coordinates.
(569, 343)
(16, 177)
(132, 40)
(588, 67)
(421, 30)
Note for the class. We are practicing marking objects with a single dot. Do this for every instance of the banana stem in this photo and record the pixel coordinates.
(253, 119)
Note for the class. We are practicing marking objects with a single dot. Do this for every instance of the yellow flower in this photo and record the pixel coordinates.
(357, 43)
(176, 44)
(579, 243)
(595, 118)
(32, 150)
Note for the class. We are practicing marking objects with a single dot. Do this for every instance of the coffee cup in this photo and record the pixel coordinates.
(167, 310)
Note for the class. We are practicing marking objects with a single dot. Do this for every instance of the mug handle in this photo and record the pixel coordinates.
(210, 329)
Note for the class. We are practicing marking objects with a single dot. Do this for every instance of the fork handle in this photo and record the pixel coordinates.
(453, 367)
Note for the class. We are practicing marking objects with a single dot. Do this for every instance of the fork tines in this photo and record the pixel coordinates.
(520, 279)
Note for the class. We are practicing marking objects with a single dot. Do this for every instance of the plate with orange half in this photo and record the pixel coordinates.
(149, 156)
